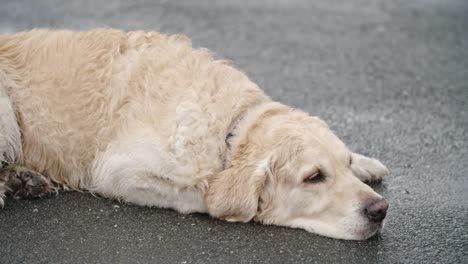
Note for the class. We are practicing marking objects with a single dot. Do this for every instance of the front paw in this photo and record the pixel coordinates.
(367, 169)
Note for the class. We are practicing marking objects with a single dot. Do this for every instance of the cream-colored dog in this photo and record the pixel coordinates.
(145, 118)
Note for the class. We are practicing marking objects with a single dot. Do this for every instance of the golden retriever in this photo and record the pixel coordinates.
(145, 118)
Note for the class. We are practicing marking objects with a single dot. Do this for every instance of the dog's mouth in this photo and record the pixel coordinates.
(370, 230)
(357, 231)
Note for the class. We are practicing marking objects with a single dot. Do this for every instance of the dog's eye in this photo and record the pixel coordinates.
(315, 177)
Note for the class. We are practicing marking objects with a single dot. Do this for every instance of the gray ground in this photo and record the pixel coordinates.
(389, 76)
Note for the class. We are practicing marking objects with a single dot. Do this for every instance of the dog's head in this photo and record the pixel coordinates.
(288, 168)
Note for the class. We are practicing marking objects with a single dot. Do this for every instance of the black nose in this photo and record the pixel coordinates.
(376, 210)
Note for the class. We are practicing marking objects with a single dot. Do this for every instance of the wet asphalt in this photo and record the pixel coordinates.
(390, 77)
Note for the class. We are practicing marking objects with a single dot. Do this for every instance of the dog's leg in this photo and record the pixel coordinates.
(367, 169)
(134, 169)
(10, 139)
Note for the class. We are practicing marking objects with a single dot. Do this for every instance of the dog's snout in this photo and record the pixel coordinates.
(376, 210)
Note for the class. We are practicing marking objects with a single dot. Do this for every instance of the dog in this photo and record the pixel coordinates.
(145, 118)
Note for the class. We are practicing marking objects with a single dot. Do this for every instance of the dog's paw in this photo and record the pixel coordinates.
(368, 169)
(24, 183)
(3, 164)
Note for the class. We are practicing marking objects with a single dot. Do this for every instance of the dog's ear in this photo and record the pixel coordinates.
(234, 193)
(367, 169)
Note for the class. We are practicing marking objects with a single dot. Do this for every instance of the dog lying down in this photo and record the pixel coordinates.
(145, 118)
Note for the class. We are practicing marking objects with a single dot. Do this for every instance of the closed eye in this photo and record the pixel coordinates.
(315, 177)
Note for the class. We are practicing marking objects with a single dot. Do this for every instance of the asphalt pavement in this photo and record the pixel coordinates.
(389, 76)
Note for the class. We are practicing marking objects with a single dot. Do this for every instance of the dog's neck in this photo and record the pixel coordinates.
(243, 119)
(233, 129)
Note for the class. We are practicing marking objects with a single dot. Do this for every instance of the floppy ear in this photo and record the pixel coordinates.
(367, 169)
(233, 194)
